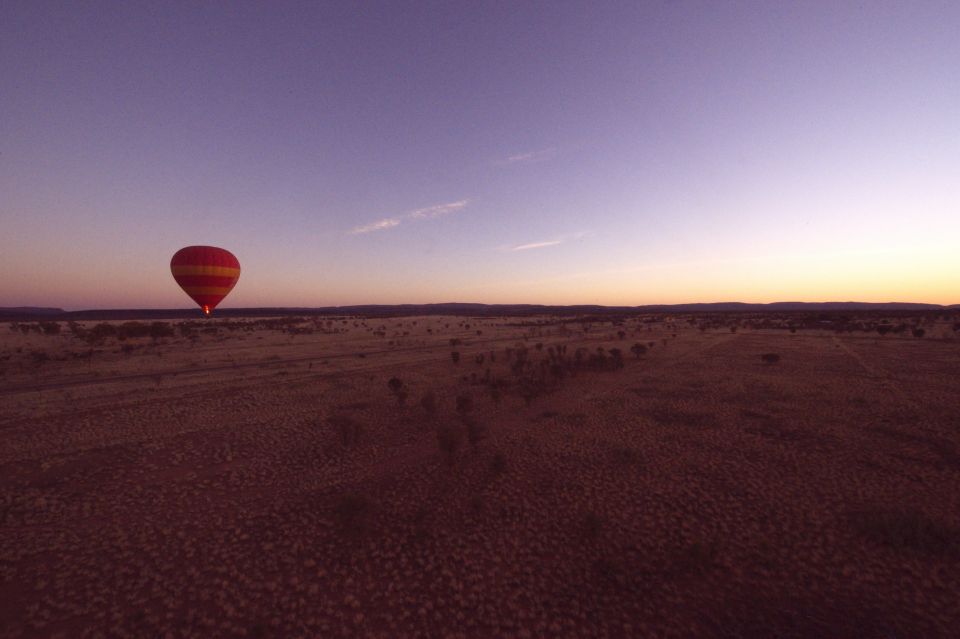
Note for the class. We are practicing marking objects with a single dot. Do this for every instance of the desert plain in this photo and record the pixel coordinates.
(626, 476)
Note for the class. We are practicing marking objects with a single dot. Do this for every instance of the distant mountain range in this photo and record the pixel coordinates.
(455, 308)
(30, 310)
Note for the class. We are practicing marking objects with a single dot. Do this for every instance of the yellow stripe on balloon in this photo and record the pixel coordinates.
(200, 269)
(207, 290)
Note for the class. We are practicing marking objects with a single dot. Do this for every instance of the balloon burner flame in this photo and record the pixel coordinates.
(206, 310)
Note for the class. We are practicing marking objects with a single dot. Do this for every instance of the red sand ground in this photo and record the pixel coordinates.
(201, 490)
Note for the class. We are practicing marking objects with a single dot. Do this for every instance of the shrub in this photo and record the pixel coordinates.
(429, 403)
(626, 455)
(50, 328)
(348, 428)
(353, 513)
(592, 526)
(449, 439)
(475, 431)
(399, 391)
(455, 356)
(617, 358)
(464, 404)
(907, 530)
(159, 330)
(697, 557)
(919, 332)
(100, 332)
(770, 358)
(498, 464)
(638, 349)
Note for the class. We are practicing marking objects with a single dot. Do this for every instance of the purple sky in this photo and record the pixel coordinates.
(348, 153)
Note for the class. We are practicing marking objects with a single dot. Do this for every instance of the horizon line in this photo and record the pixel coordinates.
(53, 310)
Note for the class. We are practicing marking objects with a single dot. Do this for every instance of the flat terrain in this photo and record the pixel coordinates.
(266, 480)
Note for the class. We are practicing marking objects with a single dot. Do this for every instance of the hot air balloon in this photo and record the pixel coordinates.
(205, 273)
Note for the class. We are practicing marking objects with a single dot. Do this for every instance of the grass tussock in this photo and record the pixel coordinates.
(907, 529)
(354, 512)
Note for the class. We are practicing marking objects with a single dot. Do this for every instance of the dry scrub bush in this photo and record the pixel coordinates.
(399, 391)
(907, 529)
(449, 439)
(353, 512)
(429, 403)
(696, 558)
(348, 428)
(626, 455)
(770, 358)
(464, 405)
(592, 526)
(476, 431)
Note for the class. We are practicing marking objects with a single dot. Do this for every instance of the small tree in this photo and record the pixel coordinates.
(475, 431)
(429, 403)
(353, 514)
(464, 405)
(638, 349)
(449, 438)
(616, 356)
(455, 356)
(398, 389)
(919, 332)
(348, 428)
(770, 358)
(50, 328)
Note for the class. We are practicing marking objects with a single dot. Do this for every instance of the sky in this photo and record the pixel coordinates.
(498, 152)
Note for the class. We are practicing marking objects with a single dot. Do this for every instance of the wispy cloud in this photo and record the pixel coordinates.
(529, 157)
(535, 245)
(436, 211)
(387, 223)
(545, 243)
(426, 213)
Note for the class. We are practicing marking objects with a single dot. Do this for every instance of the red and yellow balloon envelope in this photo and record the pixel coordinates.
(205, 273)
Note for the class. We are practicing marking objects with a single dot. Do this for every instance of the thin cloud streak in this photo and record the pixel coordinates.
(427, 213)
(529, 157)
(535, 245)
(545, 243)
(376, 226)
(436, 211)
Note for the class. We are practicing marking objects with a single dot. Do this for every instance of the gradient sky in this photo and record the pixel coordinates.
(351, 153)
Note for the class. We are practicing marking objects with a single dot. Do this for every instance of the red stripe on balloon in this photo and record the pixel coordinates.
(204, 280)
